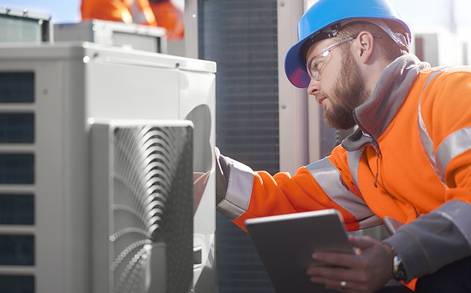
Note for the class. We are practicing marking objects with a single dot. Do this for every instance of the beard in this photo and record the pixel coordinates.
(349, 94)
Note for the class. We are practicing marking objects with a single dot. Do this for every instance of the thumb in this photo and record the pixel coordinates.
(362, 242)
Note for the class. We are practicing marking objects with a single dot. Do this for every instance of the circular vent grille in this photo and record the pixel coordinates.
(152, 207)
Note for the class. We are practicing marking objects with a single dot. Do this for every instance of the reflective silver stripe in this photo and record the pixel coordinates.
(454, 145)
(424, 136)
(239, 189)
(376, 231)
(138, 15)
(370, 222)
(458, 212)
(353, 164)
(328, 177)
(426, 140)
(230, 210)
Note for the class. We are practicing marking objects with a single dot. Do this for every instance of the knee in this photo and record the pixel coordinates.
(451, 278)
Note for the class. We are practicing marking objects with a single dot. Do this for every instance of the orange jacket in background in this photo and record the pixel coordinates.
(127, 11)
(169, 17)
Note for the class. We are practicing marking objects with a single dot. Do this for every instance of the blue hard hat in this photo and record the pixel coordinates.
(325, 13)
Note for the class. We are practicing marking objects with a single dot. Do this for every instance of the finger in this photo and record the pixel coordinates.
(337, 274)
(362, 242)
(348, 286)
(328, 271)
(355, 291)
(337, 259)
(314, 265)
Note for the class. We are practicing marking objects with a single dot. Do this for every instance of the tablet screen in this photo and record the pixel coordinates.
(286, 243)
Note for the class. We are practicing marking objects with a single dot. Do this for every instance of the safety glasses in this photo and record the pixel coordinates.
(317, 63)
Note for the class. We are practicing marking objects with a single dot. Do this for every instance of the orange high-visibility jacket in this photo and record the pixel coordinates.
(408, 159)
(169, 17)
(127, 11)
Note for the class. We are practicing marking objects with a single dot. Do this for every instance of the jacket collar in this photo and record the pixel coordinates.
(375, 114)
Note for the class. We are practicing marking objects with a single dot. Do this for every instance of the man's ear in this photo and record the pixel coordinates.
(364, 46)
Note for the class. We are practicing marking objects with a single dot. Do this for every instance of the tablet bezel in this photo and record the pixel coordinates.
(285, 244)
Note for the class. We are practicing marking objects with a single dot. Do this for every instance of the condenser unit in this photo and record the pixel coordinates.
(111, 33)
(24, 26)
(48, 94)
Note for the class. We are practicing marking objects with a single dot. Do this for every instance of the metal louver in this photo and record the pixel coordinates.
(241, 36)
(146, 229)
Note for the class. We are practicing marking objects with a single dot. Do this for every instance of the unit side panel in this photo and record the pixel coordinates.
(48, 188)
(73, 33)
(197, 94)
(60, 223)
(76, 179)
(19, 167)
(101, 156)
(118, 91)
(50, 196)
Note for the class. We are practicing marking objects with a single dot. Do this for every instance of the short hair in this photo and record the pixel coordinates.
(388, 47)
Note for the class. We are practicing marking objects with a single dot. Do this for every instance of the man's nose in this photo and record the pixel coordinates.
(313, 87)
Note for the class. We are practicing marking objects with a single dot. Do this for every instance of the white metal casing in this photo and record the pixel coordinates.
(76, 82)
(23, 25)
(111, 33)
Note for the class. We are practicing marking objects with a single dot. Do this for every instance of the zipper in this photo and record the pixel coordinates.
(378, 160)
(375, 145)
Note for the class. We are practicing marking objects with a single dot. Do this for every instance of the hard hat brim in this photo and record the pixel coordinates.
(295, 67)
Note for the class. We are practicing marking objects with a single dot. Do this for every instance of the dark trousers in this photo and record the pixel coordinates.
(453, 278)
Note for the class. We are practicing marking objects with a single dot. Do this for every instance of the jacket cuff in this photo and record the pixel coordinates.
(434, 240)
(239, 189)
(409, 249)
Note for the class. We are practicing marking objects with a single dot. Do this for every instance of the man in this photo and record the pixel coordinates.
(408, 158)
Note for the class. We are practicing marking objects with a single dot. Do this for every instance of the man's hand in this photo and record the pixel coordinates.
(366, 271)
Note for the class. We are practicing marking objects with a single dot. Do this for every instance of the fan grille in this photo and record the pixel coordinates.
(152, 204)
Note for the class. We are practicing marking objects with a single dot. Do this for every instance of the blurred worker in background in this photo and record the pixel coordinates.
(127, 11)
(408, 160)
(169, 17)
(161, 13)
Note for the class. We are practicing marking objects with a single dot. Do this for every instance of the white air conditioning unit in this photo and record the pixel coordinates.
(48, 93)
(23, 25)
(111, 33)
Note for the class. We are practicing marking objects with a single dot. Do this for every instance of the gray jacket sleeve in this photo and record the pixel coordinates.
(234, 182)
(434, 240)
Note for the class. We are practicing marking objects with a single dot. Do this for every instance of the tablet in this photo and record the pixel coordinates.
(286, 243)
